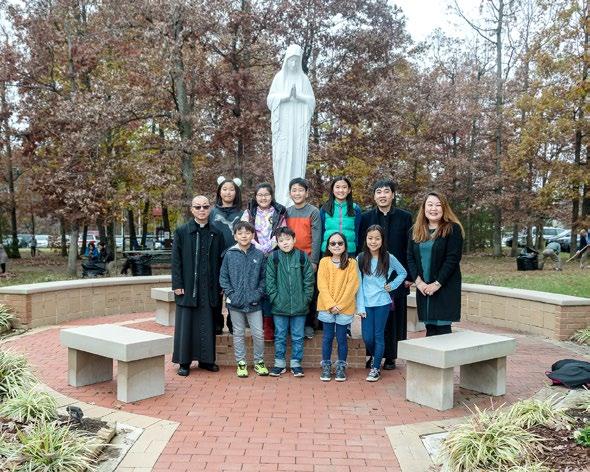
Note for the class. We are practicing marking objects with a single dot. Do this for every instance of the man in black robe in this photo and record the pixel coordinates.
(196, 260)
(396, 224)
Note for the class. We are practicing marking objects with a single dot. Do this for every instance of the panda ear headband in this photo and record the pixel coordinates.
(235, 180)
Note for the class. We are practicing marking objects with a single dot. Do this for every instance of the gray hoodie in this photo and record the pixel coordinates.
(242, 278)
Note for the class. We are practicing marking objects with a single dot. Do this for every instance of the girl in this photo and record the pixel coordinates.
(434, 254)
(266, 215)
(228, 208)
(341, 214)
(338, 283)
(373, 301)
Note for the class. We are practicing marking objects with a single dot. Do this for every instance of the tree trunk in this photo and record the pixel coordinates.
(514, 246)
(64, 240)
(133, 245)
(84, 239)
(144, 223)
(73, 251)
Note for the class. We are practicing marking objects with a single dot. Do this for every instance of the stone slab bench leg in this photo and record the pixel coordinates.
(86, 369)
(487, 377)
(165, 313)
(429, 386)
(140, 379)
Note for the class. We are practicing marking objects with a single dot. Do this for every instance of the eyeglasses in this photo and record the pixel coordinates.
(263, 195)
(201, 207)
(336, 243)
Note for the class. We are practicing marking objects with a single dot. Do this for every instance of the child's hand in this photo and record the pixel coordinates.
(362, 315)
(388, 288)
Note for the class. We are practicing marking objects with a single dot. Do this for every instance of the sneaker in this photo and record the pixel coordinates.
(260, 369)
(340, 372)
(326, 374)
(374, 375)
(277, 371)
(297, 372)
(242, 370)
(369, 362)
(308, 332)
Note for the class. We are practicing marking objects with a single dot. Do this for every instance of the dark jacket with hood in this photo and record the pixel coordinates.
(224, 219)
(242, 278)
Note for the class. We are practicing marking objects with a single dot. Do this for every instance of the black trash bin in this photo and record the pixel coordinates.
(528, 259)
(140, 264)
(93, 269)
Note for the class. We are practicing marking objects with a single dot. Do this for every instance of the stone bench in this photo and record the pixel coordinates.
(414, 324)
(139, 355)
(430, 362)
(165, 306)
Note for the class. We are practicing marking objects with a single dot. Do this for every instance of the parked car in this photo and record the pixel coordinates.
(564, 240)
(549, 232)
(24, 239)
(42, 240)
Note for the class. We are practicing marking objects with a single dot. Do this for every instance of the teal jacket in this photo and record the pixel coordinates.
(289, 286)
(347, 225)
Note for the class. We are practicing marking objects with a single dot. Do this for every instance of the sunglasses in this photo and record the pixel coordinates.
(336, 243)
(201, 207)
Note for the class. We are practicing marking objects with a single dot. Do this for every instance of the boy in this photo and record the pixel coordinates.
(289, 286)
(304, 219)
(242, 279)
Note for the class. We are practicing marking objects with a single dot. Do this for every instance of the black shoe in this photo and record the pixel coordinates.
(369, 363)
(210, 367)
(183, 371)
(218, 331)
(389, 364)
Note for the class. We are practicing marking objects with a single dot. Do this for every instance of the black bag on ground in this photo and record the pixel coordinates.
(571, 373)
(528, 259)
(93, 269)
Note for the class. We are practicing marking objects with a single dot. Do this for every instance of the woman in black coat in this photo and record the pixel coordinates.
(434, 253)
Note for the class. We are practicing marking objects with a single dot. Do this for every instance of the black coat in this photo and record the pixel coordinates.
(396, 237)
(445, 304)
(184, 263)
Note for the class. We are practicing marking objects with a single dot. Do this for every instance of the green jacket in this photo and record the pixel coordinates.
(288, 285)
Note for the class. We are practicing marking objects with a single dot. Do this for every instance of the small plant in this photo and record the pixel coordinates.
(532, 467)
(7, 319)
(532, 412)
(29, 405)
(15, 374)
(48, 447)
(489, 441)
(7, 449)
(582, 436)
(582, 336)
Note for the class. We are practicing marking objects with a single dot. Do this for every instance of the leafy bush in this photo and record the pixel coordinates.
(582, 436)
(7, 318)
(532, 412)
(29, 405)
(15, 374)
(48, 447)
(582, 336)
(489, 441)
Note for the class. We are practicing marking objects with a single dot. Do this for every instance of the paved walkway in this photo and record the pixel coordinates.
(265, 423)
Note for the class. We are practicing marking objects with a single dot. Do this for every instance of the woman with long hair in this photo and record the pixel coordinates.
(434, 254)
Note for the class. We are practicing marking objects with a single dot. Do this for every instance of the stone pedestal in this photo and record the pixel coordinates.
(85, 368)
(486, 377)
(165, 313)
(429, 386)
(140, 379)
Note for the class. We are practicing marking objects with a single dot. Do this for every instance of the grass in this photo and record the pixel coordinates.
(582, 336)
(582, 436)
(6, 318)
(15, 374)
(28, 406)
(533, 412)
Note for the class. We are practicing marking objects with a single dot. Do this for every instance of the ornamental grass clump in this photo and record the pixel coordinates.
(582, 436)
(7, 319)
(48, 447)
(532, 467)
(582, 336)
(533, 412)
(15, 374)
(29, 405)
(488, 441)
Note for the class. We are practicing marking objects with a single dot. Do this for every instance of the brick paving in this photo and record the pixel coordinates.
(300, 424)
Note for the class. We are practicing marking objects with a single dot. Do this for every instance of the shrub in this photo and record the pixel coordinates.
(532, 412)
(8, 449)
(15, 374)
(6, 319)
(488, 441)
(48, 447)
(582, 436)
(582, 336)
(29, 405)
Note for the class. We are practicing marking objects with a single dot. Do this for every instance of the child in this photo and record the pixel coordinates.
(266, 216)
(242, 279)
(373, 301)
(340, 213)
(289, 285)
(304, 219)
(338, 282)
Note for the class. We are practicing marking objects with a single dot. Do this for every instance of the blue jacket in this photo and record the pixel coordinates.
(242, 278)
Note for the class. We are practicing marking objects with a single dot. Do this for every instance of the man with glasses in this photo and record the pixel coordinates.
(196, 260)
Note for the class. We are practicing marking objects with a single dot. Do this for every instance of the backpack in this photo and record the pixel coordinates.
(571, 373)
(275, 260)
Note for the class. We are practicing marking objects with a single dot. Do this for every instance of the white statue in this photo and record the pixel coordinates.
(291, 103)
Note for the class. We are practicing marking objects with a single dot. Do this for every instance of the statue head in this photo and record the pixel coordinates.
(292, 63)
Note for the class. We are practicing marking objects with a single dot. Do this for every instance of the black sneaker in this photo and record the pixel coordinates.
(374, 375)
(277, 371)
(326, 374)
(369, 362)
(297, 372)
(389, 364)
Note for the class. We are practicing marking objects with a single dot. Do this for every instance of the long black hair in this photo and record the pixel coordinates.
(328, 207)
(383, 257)
(344, 256)
(237, 198)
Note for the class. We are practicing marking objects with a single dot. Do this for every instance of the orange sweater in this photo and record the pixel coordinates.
(336, 286)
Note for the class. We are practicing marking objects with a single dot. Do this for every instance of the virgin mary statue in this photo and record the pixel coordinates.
(291, 103)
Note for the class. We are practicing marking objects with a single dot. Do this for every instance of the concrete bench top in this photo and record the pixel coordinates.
(82, 283)
(533, 295)
(456, 349)
(117, 342)
(163, 293)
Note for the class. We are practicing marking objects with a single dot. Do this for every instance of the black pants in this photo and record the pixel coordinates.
(312, 316)
(396, 328)
(433, 330)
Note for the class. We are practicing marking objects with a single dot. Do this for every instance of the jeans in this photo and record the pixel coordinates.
(282, 325)
(328, 339)
(373, 329)
(434, 330)
(239, 326)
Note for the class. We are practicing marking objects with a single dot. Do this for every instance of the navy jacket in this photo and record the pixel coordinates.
(242, 278)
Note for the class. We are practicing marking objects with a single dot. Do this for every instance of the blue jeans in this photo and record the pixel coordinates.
(296, 324)
(373, 329)
(328, 340)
